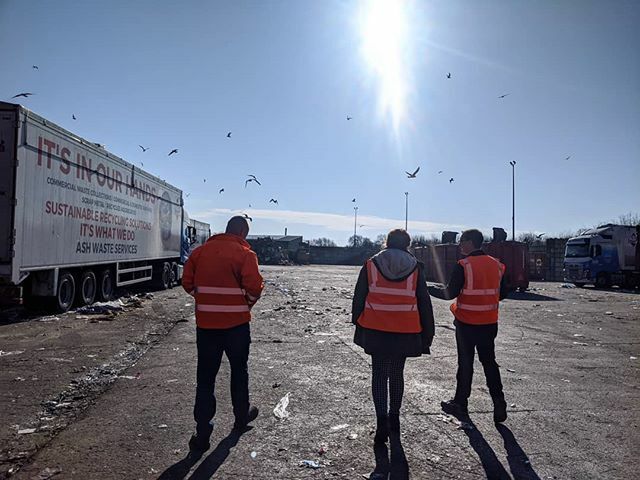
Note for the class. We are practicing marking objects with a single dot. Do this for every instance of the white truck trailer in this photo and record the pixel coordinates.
(77, 221)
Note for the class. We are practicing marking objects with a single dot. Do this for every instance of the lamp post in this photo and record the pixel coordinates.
(513, 200)
(355, 227)
(406, 211)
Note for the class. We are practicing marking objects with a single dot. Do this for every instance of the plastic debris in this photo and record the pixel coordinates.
(608, 313)
(163, 425)
(26, 431)
(309, 464)
(6, 354)
(580, 343)
(567, 285)
(47, 473)
(513, 405)
(353, 436)
(511, 370)
(276, 385)
(102, 307)
(337, 428)
(280, 411)
(578, 335)
(633, 358)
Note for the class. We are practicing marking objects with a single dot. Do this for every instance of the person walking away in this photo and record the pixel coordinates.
(394, 320)
(223, 277)
(477, 283)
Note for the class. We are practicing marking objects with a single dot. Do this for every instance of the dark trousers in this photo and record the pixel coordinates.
(212, 343)
(468, 339)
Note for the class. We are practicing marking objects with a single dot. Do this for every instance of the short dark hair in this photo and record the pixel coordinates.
(399, 239)
(474, 236)
(238, 226)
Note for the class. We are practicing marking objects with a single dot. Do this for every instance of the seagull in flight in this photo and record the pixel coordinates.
(188, 194)
(141, 164)
(349, 118)
(449, 75)
(440, 171)
(412, 175)
(568, 157)
(540, 236)
(229, 135)
(221, 190)
(73, 116)
(175, 150)
(502, 96)
(35, 67)
(451, 180)
(353, 201)
(273, 200)
(143, 149)
(204, 180)
(248, 217)
(251, 180)
(25, 95)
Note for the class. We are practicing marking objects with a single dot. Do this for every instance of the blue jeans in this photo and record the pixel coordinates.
(212, 343)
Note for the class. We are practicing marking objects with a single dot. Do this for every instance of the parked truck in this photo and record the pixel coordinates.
(604, 256)
(77, 221)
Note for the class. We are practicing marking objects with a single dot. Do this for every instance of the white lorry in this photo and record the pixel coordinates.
(77, 221)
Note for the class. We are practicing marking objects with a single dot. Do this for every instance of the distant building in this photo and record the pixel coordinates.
(291, 243)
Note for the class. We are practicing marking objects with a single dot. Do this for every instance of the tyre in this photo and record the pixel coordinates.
(174, 274)
(65, 293)
(163, 276)
(87, 288)
(603, 281)
(106, 286)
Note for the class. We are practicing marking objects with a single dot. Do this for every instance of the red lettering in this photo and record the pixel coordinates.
(65, 166)
(50, 146)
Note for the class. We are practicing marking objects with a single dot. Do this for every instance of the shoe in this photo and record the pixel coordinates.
(199, 443)
(394, 423)
(382, 430)
(252, 414)
(499, 411)
(454, 408)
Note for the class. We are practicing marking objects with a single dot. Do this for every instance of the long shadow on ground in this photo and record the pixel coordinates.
(394, 468)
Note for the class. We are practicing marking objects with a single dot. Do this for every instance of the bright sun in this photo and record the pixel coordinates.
(384, 31)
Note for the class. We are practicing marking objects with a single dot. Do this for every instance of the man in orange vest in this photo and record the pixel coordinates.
(223, 277)
(477, 284)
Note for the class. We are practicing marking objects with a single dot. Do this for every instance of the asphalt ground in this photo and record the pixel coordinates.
(111, 397)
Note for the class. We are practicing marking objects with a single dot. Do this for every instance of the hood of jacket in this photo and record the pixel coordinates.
(395, 264)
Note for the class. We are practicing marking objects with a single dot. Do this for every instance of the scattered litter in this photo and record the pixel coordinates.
(92, 356)
(567, 285)
(323, 449)
(82, 317)
(320, 341)
(47, 473)
(513, 405)
(310, 464)
(163, 425)
(633, 358)
(353, 436)
(177, 451)
(19, 379)
(511, 370)
(49, 319)
(188, 304)
(254, 454)
(172, 380)
(280, 411)
(102, 307)
(26, 431)
(6, 354)
(276, 385)
(578, 335)
(337, 428)
(560, 315)
(608, 313)
(127, 377)
(460, 425)
(580, 343)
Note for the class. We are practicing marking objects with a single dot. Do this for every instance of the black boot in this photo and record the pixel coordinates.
(499, 410)
(382, 430)
(394, 423)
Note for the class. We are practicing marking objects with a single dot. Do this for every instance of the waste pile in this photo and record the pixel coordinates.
(270, 252)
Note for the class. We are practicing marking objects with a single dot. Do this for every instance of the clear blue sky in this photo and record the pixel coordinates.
(283, 75)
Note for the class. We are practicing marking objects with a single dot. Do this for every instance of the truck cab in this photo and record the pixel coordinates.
(604, 256)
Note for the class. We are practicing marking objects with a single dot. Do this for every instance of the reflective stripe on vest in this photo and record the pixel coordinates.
(223, 308)
(477, 308)
(220, 290)
(486, 291)
(391, 308)
(218, 308)
(409, 291)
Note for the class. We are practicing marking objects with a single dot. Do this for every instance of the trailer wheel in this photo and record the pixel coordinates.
(163, 279)
(65, 293)
(174, 274)
(603, 281)
(105, 286)
(87, 288)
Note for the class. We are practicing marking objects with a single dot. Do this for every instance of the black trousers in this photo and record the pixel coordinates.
(212, 343)
(468, 339)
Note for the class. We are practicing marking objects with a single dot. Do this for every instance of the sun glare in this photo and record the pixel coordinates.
(384, 31)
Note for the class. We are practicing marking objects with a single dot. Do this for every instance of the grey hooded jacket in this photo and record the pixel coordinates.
(394, 265)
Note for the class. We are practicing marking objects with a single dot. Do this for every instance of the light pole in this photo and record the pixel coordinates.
(355, 227)
(406, 211)
(513, 200)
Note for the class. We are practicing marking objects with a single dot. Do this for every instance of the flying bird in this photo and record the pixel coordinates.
(440, 171)
(540, 236)
(252, 179)
(141, 164)
(349, 118)
(253, 176)
(221, 190)
(35, 67)
(188, 194)
(413, 175)
(204, 180)
(451, 180)
(502, 96)
(175, 150)
(73, 116)
(360, 226)
(143, 149)
(248, 217)
(25, 95)
(449, 75)
(229, 135)
(353, 201)
(568, 157)
(273, 200)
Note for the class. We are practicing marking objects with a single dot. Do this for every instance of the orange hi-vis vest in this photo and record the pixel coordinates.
(391, 306)
(478, 301)
(224, 279)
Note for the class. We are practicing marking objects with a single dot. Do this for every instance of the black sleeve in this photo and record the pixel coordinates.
(426, 310)
(360, 295)
(504, 288)
(453, 288)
